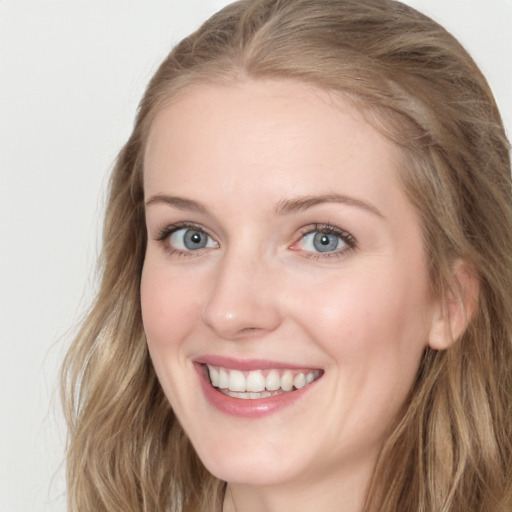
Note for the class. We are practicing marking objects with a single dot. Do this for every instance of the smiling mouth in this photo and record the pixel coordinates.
(257, 384)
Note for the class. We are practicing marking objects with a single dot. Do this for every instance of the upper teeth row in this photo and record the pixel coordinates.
(255, 381)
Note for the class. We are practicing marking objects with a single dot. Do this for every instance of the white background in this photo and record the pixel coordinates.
(71, 74)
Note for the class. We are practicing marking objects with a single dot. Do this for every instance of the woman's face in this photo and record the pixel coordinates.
(284, 260)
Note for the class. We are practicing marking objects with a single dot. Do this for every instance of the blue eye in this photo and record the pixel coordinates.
(324, 240)
(318, 241)
(190, 239)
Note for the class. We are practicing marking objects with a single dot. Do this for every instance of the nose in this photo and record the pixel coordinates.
(242, 300)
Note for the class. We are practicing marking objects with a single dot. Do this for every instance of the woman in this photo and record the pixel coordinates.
(306, 271)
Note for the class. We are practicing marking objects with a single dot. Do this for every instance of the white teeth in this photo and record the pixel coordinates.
(255, 382)
(299, 381)
(273, 380)
(256, 385)
(237, 381)
(287, 381)
(223, 379)
(214, 376)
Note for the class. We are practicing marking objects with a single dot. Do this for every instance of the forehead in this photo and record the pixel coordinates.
(285, 137)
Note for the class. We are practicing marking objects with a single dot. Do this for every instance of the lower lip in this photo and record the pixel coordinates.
(248, 408)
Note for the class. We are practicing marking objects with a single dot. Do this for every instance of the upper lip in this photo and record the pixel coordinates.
(248, 364)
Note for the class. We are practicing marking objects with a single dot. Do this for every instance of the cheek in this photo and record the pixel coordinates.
(370, 317)
(170, 309)
(170, 306)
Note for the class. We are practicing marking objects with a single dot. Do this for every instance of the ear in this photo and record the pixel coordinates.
(456, 307)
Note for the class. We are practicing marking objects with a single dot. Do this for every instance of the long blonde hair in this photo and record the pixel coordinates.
(451, 447)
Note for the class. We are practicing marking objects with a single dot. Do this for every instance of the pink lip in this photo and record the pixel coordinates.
(247, 364)
(250, 408)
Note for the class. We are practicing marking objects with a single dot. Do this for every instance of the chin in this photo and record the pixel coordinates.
(258, 465)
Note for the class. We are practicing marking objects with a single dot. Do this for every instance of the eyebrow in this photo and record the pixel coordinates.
(284, 207)
(180, 203)
(303, 203)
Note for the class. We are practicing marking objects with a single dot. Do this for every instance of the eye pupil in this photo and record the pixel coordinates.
(324, 242)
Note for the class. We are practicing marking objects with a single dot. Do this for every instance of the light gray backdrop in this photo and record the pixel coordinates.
(71, 74)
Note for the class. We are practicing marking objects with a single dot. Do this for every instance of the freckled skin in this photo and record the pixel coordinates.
(258, 291)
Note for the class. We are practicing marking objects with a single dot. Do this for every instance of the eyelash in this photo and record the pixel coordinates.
(344, 236)
(327, 229)
(163, 237)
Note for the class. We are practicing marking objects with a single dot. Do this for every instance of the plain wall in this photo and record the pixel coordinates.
(71, 74)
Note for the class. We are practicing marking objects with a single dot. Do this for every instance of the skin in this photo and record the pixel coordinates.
(258, 290)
